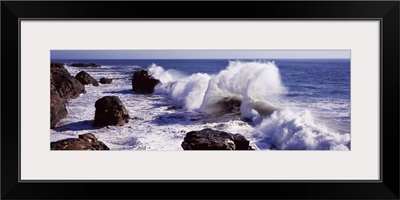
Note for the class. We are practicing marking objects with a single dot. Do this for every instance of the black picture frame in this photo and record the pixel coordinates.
(386, 11)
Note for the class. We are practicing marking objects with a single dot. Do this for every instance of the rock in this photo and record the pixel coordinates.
(90, 138)
(86, 79)
(174, 107)
(230, 105)
(241, 142)
(56, 65)
(105, 80)
(209, 139)
(63, 87)
(58, 110)
(143, 82)
(273, 147)
(225, 105)
(85, 65)
(110, 111)
(85, 142)
(66, 85)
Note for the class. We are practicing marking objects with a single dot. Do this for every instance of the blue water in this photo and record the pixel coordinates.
(321, 86)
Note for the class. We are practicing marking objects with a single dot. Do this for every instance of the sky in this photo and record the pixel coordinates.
(199, 54)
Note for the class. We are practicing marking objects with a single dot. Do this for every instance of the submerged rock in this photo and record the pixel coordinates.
(209, 139)
(85, 65)
(84, 142)
(104, 80)
(58, 110)
(110, 111)
(221, 106)
(143, 82)
(273, 147)
(86, 79)
(229, 105)
(175, 107)
(66, 85)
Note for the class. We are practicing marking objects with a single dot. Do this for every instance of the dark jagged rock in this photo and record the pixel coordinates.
(86, 79)
(110, 111)
(209, 139)
(63, 87)
(223, 106)
(56, 65)
(57, 107)
(66, 85)
(143, 82)
(241, 142)
(230, 105)
(85, 65)
(105, 80)
(85, 142)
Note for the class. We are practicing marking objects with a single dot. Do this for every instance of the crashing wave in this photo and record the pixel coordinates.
(249, 88)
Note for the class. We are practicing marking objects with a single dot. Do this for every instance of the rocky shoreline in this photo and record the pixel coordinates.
(110, 111)
(63, 87)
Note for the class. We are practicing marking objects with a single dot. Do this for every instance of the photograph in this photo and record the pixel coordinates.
(178, 100)
(305, 94)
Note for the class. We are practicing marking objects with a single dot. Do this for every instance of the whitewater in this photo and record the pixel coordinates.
(245, 97)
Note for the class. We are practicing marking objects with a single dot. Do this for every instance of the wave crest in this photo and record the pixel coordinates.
(240, 82)
(286, 130)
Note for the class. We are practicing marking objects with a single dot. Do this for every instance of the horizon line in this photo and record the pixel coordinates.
(202, 59)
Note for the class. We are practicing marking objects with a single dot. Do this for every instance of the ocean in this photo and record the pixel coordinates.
(313, 97)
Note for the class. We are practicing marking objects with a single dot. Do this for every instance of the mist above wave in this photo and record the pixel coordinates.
(245, 82)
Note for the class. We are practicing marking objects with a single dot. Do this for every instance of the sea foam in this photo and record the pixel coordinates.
(254, 85)
(240, 81)
(287, 130)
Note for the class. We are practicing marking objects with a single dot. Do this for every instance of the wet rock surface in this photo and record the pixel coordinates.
(63, 87)
(142, 82)
(67, 86)
(58, 110)
(84, 142)
(104, 80)
(209, 139)
(110, 111)
(85, 78)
